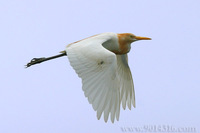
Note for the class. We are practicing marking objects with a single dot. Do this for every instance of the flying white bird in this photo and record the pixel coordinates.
(101, 62)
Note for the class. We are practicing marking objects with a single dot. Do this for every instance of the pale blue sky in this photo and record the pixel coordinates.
(48, 98)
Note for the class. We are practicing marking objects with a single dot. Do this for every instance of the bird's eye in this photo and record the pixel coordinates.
(131, 36)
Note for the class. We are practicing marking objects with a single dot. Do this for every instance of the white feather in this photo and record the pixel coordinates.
(104, 74)
(126, 81)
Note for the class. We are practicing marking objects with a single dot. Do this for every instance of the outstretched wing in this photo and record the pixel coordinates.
(97, 67)
(127, 94)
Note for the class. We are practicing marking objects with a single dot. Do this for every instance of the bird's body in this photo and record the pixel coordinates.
(101, 62)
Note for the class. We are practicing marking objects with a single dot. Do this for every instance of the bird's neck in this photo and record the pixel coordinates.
(124, 45)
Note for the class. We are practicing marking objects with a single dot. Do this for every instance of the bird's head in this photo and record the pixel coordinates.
(125, 39)
(129, 37)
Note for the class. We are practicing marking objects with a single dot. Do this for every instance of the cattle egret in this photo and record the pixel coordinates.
(101, 62)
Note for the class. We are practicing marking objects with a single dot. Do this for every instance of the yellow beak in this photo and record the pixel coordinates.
(142, 38)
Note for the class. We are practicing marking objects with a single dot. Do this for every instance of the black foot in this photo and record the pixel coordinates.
(35, 61)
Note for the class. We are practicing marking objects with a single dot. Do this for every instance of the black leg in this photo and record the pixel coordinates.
(40, 60)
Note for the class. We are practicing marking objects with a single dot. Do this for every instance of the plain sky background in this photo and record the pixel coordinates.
(48, 98)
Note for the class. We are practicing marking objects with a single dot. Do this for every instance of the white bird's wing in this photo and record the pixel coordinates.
(97, 67)
(127, 94)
